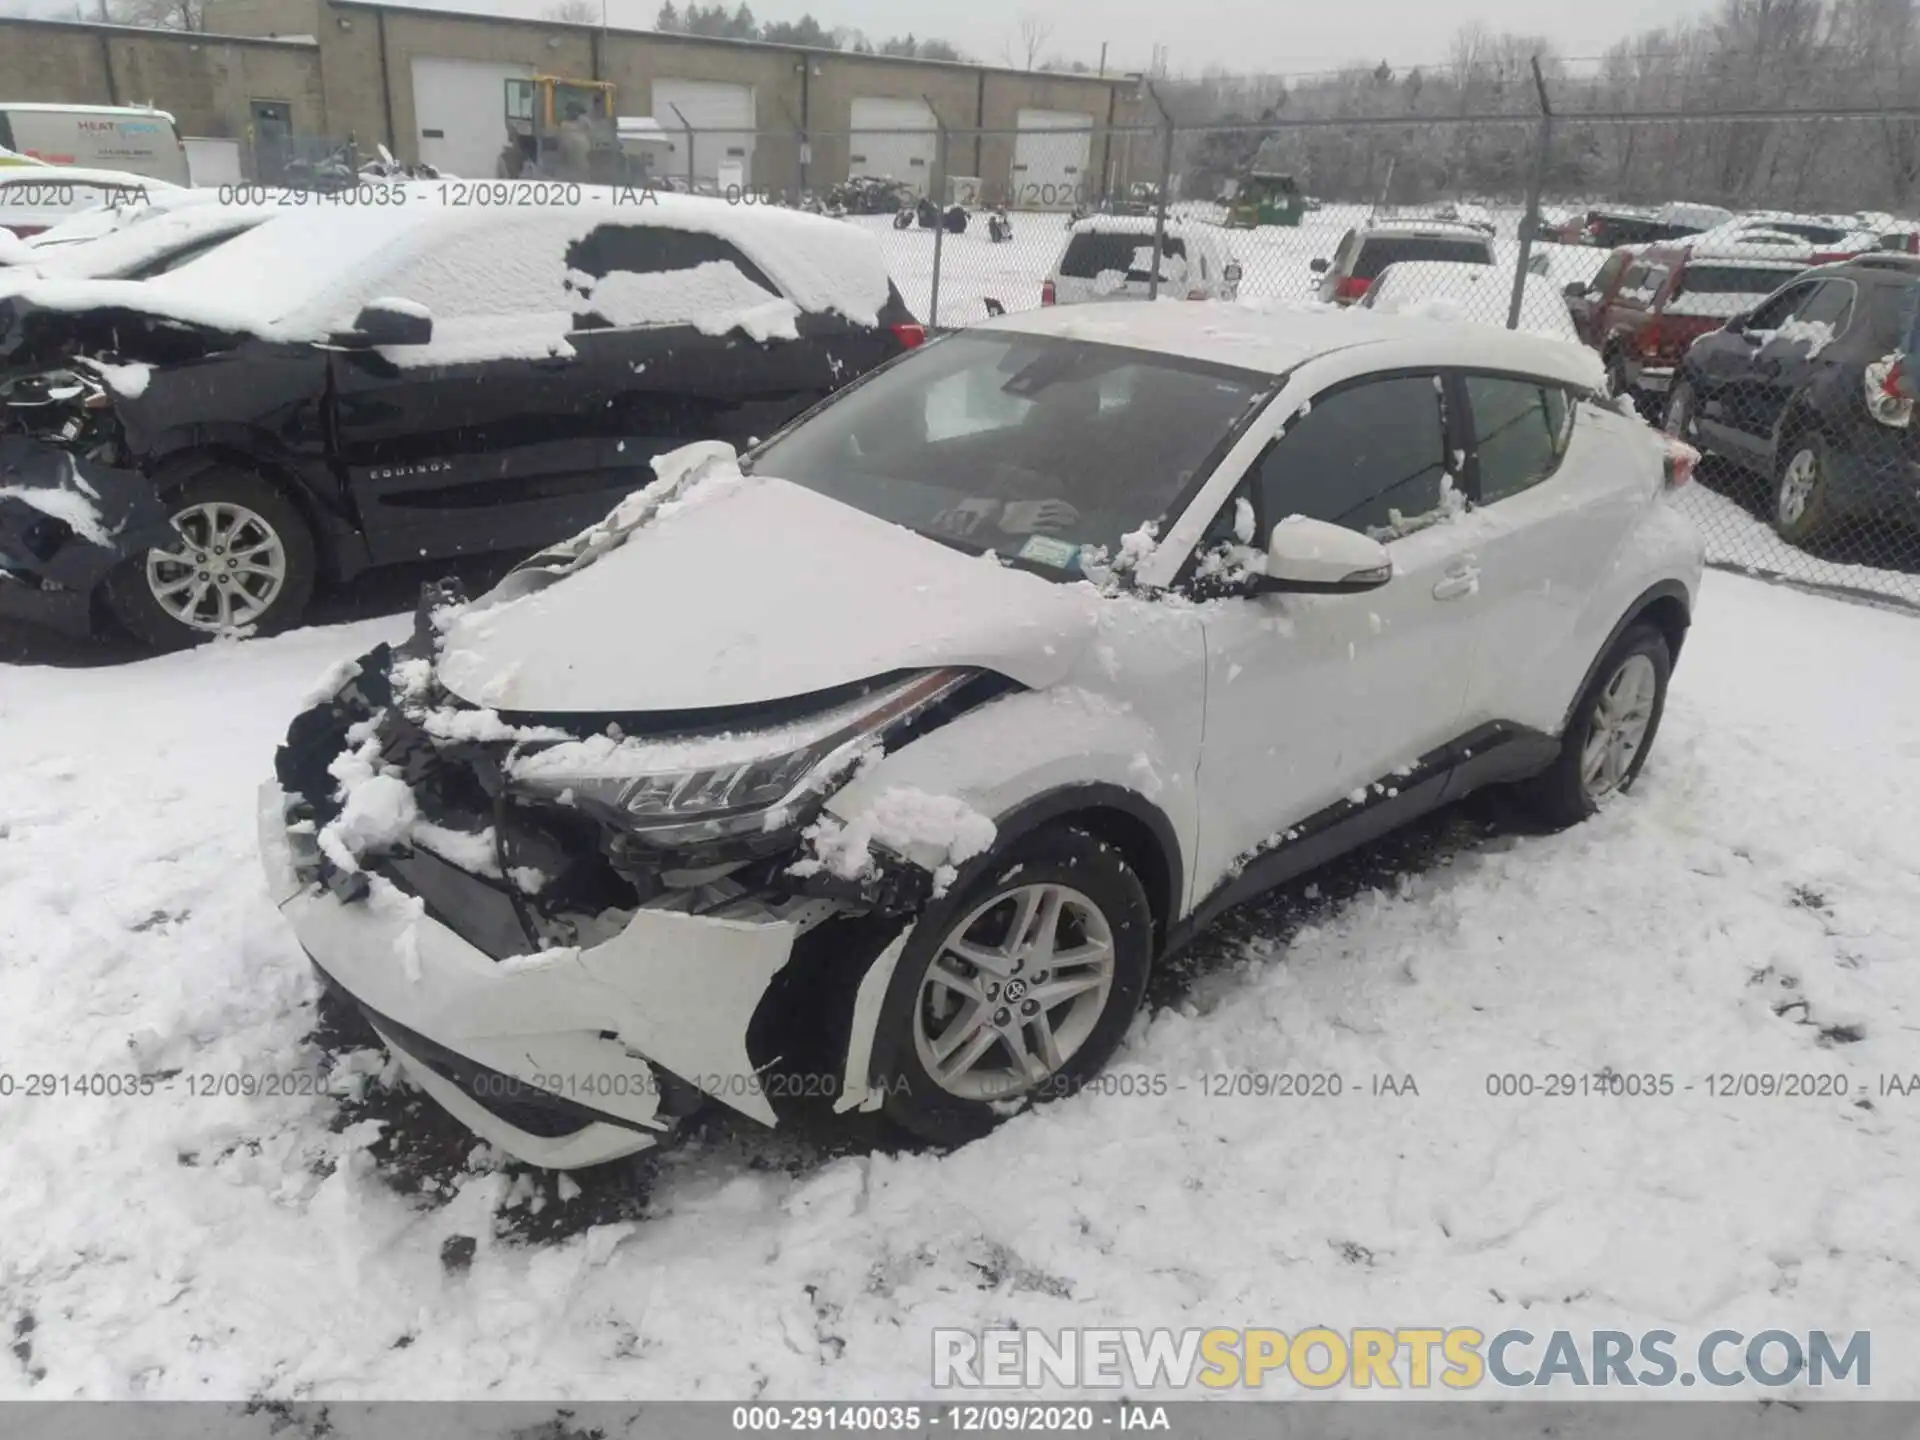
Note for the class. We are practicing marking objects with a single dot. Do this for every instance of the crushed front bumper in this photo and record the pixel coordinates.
(565, 1058)
(65, 523)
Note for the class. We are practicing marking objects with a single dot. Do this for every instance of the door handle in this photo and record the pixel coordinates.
(1461, 581)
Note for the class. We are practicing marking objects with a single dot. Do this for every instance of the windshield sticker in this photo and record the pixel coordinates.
(1045, 550)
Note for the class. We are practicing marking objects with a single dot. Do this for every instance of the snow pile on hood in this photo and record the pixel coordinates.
(910, 823)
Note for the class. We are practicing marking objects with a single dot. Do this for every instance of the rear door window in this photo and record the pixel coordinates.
(632, 275)
(1091, 254)
(1521, 429)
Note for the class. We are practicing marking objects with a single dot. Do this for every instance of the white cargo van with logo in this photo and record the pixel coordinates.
(129, 138)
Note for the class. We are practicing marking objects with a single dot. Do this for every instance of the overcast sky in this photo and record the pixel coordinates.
(1234, 33)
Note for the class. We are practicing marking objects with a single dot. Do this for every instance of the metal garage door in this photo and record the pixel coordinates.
(1050, 168)
(722, 119)
(894, 138)
(460, 111)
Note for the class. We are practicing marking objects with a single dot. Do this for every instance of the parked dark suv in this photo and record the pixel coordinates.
(1798, 389)
(352, 387)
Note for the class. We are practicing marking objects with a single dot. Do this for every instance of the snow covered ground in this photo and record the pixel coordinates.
(1751, 909)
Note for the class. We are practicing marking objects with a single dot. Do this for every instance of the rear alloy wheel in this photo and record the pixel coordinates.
(1802, 510)
(243, 561)
(1019, 990)
(1611, 731)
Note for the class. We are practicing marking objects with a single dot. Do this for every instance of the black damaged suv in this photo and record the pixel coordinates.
(1800, 390)
(353, 387)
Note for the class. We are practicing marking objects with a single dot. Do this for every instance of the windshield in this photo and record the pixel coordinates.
(1735, 279)
(1034, 447)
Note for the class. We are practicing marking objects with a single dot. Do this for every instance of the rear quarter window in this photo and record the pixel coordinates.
(1378, 253)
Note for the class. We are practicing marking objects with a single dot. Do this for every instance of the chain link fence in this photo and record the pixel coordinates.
(1692, 254)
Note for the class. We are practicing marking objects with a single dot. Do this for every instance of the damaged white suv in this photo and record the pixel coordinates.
(877, 769)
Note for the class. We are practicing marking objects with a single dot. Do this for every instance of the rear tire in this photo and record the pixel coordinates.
(1611, 733)
(246, 562)
(1062, 936)
(1802, 495)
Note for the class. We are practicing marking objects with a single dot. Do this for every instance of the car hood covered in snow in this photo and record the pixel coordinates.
(746, 589)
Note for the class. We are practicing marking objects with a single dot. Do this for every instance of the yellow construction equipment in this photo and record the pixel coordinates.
(561, 129)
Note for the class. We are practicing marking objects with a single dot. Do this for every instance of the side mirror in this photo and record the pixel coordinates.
(388, 321)
(1314, 557)
(1574, 289)
(1319, 267)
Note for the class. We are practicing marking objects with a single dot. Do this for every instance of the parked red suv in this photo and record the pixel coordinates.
(1667, 296)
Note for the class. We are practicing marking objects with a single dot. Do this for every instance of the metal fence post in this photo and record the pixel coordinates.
(689, 129)
(1531, 220)
(1166, 186)
(939, 198)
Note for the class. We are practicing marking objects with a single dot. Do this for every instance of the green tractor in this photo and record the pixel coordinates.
(1265, 198)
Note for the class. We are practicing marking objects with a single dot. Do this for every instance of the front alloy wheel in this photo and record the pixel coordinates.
(229, 568)
(1015, 989)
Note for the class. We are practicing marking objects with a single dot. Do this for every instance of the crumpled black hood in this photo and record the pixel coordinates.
(33, 337)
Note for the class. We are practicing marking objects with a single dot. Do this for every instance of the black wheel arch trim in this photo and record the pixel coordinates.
(1671, 590)
(1066, 801)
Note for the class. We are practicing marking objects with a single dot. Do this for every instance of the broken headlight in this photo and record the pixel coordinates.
(708, 787)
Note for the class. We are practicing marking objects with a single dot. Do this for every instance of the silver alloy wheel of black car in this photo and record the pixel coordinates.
(1798, 481)
(228, 570)
(1017, 985)
(1622, 712)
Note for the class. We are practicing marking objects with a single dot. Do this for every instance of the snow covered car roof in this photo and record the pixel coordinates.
(1276, 336)
(1418, 225)
(1136, 225)
(304, 275)
(1480, 294)
(60, 107)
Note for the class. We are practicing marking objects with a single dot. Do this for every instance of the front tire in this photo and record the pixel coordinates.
(245, 562)
(1608, 739)
(1802, 494)
(1019, 989)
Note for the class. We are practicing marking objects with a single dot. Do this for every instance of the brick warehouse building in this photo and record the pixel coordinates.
(428, 84)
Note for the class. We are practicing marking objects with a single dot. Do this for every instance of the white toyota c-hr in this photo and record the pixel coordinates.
(877, 769)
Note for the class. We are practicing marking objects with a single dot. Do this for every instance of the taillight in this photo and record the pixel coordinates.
(1351, 287)
(1046, 292)
(24, 231)
(909, 334)
(1681, 458)
(1886, 393)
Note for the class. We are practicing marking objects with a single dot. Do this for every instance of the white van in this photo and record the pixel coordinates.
(128, 138)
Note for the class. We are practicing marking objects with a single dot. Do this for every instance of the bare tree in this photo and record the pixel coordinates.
(160, 14)
(1024, 53)
(573, 12)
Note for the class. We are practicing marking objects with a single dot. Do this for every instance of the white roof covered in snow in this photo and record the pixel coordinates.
(305, 274)
(1274, 337)
(1450, 290)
